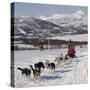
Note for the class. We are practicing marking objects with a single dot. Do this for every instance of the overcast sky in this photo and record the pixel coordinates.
(34, 10)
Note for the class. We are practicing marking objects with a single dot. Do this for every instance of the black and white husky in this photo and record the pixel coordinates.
(50, 66)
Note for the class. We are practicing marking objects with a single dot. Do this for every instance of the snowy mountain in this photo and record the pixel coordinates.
(75, 19)
(33, 27)
(53, 25)
(75, 22)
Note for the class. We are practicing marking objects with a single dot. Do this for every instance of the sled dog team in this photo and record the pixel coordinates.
(47, 66)
(36, 70)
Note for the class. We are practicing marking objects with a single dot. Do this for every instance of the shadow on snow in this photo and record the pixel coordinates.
(50, 77)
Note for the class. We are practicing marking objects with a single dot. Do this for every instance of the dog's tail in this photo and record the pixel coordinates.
(19, 69)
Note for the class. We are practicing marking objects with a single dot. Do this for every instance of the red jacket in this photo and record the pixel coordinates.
(71, 51)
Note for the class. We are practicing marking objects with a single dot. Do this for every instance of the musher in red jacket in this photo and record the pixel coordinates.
(71, 49)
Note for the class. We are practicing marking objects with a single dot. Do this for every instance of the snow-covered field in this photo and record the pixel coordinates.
(80, 37)
(73, 71)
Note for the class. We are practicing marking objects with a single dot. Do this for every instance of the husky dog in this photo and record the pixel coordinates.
(25, 71)
(50, 66)
(39, 65)
(36, 72)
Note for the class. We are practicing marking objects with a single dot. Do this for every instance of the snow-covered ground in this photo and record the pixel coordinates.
(73, 71)
(80, 37)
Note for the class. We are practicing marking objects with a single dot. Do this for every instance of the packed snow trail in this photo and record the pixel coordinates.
(72, 71)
